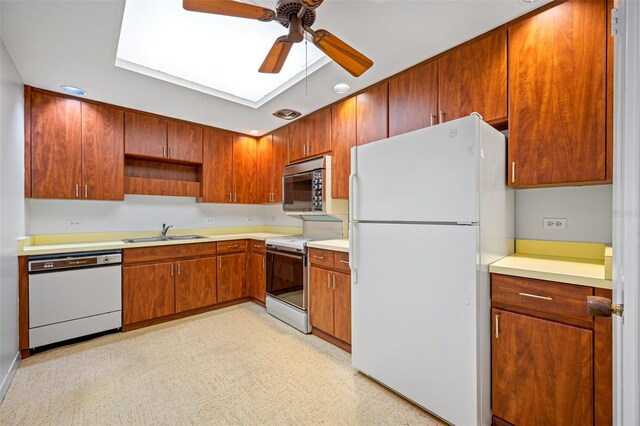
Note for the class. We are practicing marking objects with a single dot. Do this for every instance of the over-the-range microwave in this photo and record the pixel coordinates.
(306, 190)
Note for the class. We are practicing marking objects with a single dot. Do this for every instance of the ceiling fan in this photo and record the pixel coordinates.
(296, 15)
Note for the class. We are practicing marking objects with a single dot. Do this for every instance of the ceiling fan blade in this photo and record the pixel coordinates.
(230, 8)
(277, 55)
(343, 54)
(312, 4)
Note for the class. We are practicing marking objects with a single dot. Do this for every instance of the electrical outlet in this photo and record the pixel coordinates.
(249, 219)
(555, 223)
(74, 223)
(210, 220)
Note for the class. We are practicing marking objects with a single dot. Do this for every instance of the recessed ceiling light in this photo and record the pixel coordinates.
(254, 132)
(528, 1)
(73, 90)
(341, 88)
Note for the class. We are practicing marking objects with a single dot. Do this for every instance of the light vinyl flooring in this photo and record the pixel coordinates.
(237, 365)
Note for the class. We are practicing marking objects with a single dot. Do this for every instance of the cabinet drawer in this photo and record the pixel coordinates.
(257, 246)
(342, 261)
(544, 296)
(168, 252)
(321, 257)
(232, 246)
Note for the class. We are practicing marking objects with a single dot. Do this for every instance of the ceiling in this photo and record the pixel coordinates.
(75, 43)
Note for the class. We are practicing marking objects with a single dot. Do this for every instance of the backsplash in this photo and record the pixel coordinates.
(142, 213)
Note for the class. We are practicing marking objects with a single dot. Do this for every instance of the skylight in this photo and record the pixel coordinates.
(217, 55)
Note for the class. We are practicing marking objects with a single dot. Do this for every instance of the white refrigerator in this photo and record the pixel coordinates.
(430, 210)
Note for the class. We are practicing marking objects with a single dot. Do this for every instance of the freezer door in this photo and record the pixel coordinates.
(414, 308)
(429, 175)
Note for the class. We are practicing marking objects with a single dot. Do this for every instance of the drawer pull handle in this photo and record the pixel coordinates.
(535, 296)
(318, 257)
(257, 246)
(233, 246)
(344, 261)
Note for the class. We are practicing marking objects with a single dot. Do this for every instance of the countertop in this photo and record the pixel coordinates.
(335, 245)
(583, 264)
(63, 243)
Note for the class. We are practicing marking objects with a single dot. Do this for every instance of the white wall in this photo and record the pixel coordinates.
(141, 212)
(586, 208)
(12, 211)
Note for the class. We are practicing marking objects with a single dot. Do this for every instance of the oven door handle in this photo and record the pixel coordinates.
(293, 256)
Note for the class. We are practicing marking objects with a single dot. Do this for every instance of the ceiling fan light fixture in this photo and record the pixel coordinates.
(341, 88)
(287, 114)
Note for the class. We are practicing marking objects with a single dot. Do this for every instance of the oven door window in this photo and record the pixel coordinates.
(298, 192)
(285, 278)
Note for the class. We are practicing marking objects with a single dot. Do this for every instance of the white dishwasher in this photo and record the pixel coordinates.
(73, 295)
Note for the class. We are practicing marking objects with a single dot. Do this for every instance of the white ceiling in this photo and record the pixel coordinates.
(75, 43)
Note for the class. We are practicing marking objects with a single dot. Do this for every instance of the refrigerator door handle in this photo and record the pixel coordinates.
(352, 250)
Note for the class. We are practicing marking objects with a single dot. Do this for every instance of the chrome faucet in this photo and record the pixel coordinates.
(165, 228)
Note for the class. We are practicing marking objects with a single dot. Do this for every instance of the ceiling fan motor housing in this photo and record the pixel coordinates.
(286, 8)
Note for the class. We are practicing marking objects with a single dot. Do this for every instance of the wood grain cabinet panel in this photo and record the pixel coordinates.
(184, 142)
(542, 371)
(145, 135)
(557, 96)
(372, 114)
(148, 292)
(217, 166)
(413, 99)
(257, 276)
(264, 165)
(319, 132)
(56, 146)
(245, 186)
(321, 300)
(343, 138)
(280, 154)
(231, 277)
(342, 304)
(102, 152)
(195, 282)
(474, 79)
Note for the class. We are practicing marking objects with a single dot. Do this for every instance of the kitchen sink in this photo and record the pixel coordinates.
(161, 238)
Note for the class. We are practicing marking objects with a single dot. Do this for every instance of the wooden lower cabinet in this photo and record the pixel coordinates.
(148, 292)
(256, 279)
(330, 302)
(195, 282)
(231, 276)
(542, 371)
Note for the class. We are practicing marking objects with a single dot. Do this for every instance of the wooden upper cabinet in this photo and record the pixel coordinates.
(372, 114)
(184, 142)
(280, 154)
(343, 138)
(298, 140)
(413, 99)
(245, 185)
(56, 146)
(264, 164)
(319, 132)
(217, 166)
(148, 292)
(557, 96)
(145, 135)
(542, 371)
(474, 79)
(102, 152)
(195, 282)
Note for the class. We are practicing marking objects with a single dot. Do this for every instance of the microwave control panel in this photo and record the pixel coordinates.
(316, 193)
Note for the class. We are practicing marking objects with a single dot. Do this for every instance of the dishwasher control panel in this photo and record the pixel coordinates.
(76, 260)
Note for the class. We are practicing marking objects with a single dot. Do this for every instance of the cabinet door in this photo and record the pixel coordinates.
(195, 283)
(148, 292)
(280, 156)
(264, 165)
(298, 140)
(342, 307)
(257, 274)
(542, 371)
(184, 142)
(245, 187)
(102, 152)
(319, 132)
(217, 167)
(372, 114)
(56, 146)
(474, 79)
(413, 99)
(145, 135)
(231, 277)
(343, 138)
(557, 96)
(321, 300)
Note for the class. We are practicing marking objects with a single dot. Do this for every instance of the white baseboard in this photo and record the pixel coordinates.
(6, 380)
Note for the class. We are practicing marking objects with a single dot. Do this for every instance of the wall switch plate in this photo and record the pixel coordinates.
(210, 220)
(74, 223)
(554, 223)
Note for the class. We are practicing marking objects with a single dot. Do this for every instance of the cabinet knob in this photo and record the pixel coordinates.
(602, 307)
